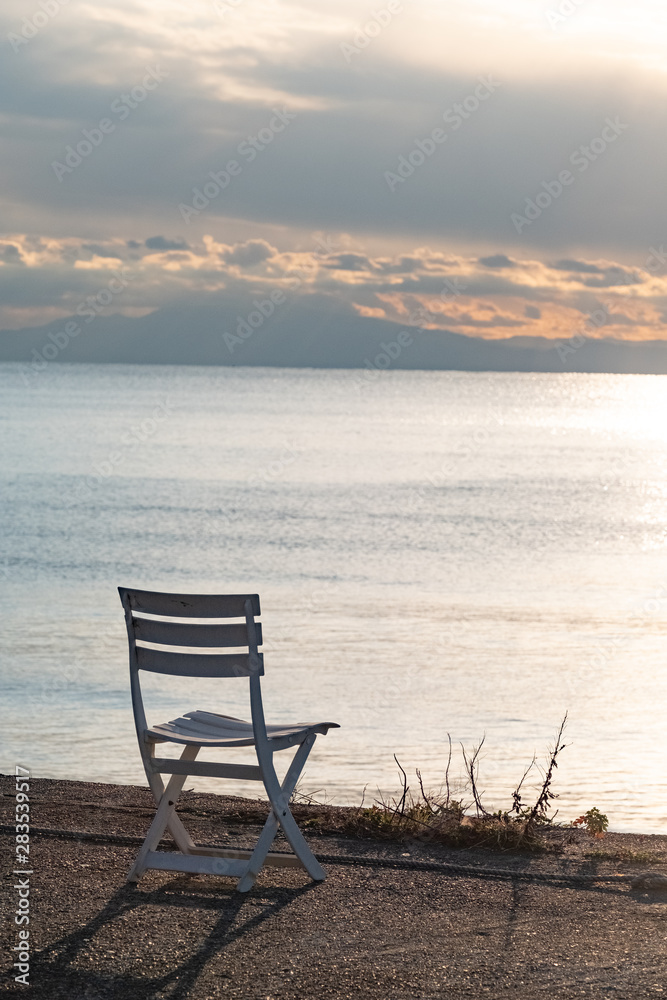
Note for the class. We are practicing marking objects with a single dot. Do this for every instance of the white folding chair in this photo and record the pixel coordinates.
(201, 655)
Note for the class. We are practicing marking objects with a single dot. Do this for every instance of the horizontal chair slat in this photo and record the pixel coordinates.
(177, 634)
(160, 661)
(190, 605)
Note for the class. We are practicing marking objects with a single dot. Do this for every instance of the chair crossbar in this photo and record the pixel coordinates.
(274, 859)
(197, 865)
(208, 769)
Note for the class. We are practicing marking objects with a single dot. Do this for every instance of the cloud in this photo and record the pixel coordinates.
(349, 262)
(421, 287)
(471, 322)
(580, 266)
(160, 243)
(226, 76)
(497, 260)
(441, 234)
(605, 275)
(90, 250)
(614, 275)
(248, 254)
(10, 254)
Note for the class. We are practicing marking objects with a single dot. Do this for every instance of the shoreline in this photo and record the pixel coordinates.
(246, 808)
(334, 806)
(72, 806)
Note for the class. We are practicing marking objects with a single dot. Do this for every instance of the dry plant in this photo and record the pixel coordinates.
(454, 815)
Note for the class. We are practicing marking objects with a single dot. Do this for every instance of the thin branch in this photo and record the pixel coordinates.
(472, 768)
(540, 809)
(449, 761)
(426, 798)
(516, 794)
(404, 796)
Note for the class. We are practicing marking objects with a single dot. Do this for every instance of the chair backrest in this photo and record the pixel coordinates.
(202, 642)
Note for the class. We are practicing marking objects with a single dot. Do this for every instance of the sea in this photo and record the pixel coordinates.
(444, 559)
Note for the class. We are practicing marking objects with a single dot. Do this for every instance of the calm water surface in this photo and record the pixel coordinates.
(436, 552)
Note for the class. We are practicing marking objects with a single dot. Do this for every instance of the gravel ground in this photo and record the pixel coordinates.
(365, 932)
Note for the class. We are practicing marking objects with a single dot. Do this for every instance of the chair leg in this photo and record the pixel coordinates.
(262, 848)
(298, 844)
(280, 814)
(163, 816)
(182, 838)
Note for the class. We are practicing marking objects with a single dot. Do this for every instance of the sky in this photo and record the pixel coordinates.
(491, 168)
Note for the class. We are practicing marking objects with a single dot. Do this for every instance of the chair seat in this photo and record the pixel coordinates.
(209, 729)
